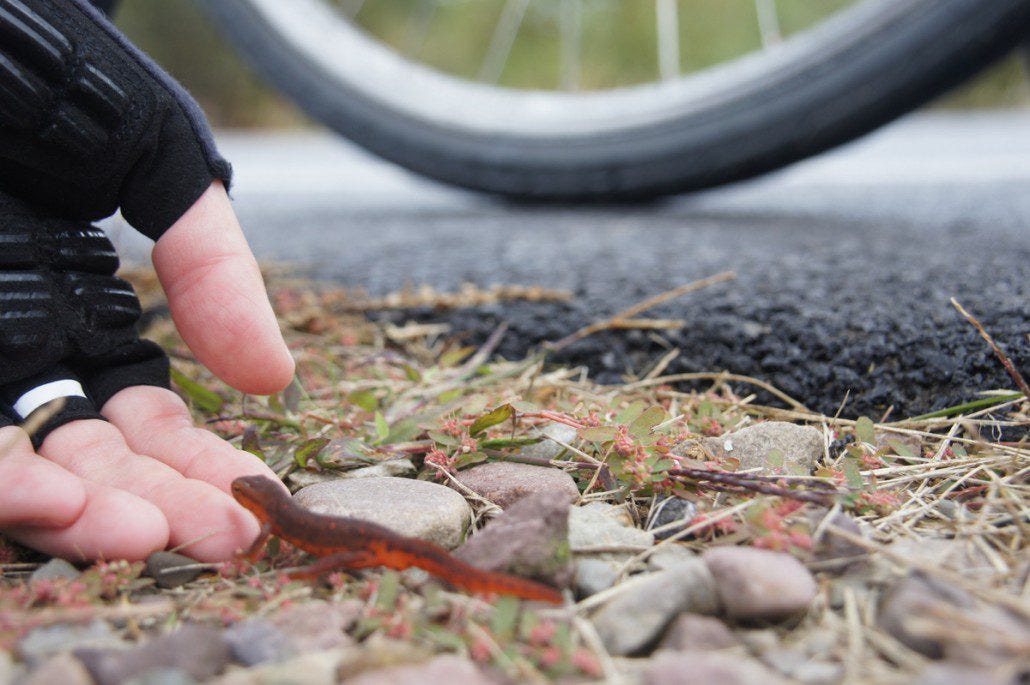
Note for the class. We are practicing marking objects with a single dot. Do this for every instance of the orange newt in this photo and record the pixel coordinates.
(353, 543)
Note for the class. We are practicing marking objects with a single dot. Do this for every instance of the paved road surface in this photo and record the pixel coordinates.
(845, 263)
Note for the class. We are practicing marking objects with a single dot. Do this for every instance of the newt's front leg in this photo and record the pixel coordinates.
(254, 551)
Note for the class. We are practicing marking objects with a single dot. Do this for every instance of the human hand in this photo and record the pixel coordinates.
(147, 478)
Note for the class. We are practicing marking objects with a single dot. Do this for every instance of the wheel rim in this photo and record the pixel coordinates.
(353, 58)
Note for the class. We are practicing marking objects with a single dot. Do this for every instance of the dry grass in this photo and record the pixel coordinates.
(370, 393)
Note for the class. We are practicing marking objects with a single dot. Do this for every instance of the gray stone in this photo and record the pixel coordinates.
(256, 641)
(594, 575)
(42, 643)
(669, 555)
(163, 676)
(318, 625)
(55, 569)
(198, 650)
(312, 668)
(599, 524)
(406, 506)
(63, 669)
(939, 620)
(529, 539)
(669, 511)
(818, 673)
(950, 673)
(548, 448)
(758, 583)
(694, 632)
(448, 668)
(169, 569)
(836, 553)
(706, 668)
(771, 447)
(398, 468)
(641, 608)
(505, 482)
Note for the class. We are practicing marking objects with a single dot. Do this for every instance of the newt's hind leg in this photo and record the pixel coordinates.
(340, 560)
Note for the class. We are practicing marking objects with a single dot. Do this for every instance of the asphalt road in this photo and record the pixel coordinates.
(845, 263)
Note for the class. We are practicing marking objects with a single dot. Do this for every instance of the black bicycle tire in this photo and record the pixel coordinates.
(826, 105)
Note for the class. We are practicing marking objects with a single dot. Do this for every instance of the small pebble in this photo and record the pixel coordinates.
(529, 539)
(505, 483)
(706, 668)
(669, 555)
(771, 447)
(198, 650)
(169, 569)
(594, 575)
(635, 616)
(694, 632)
(55, 569)
(256, 641)
(398, 468)
(42, 643)
(409, 507)
(163, 676)
(449, 669)
(669, 511)
(599, 524)
(550, 449)
(63, 669)
(758, 583)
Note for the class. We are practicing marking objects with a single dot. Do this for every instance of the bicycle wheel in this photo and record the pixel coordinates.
(821, 87)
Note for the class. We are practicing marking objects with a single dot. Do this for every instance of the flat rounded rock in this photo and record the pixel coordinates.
(758, 583)
(505, 483)
(409, 507)
(771, 446)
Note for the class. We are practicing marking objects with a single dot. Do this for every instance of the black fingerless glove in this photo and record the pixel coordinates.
(67, 323)
(88, 123)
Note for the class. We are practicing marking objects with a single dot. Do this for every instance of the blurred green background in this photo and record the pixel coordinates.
(618, 47)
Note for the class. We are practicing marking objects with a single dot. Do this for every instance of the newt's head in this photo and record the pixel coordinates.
(257, 493)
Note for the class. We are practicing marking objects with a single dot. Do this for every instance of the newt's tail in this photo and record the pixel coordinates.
(462, 575)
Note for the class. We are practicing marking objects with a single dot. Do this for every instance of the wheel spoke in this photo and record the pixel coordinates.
(571, 41)
(768, 22)
(503, 38)
(418, 28)
(667, 28)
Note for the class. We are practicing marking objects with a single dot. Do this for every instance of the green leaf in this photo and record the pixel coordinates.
(599, 433)
(411, 373)
(310, 449)
(493, 418)
(647, 420)
(852, 474)
(444, 439)
(366, 399)
(631, 412)
(404, 430)
(449, 396)
(456, 356)
(865, 431)
(389, 588)
(902, 450)
(505, 618)
(469, 459)
(382, 427)
(197, 393)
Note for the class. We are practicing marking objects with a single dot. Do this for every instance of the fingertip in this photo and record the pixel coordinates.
(36, 491)
(140, 530)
